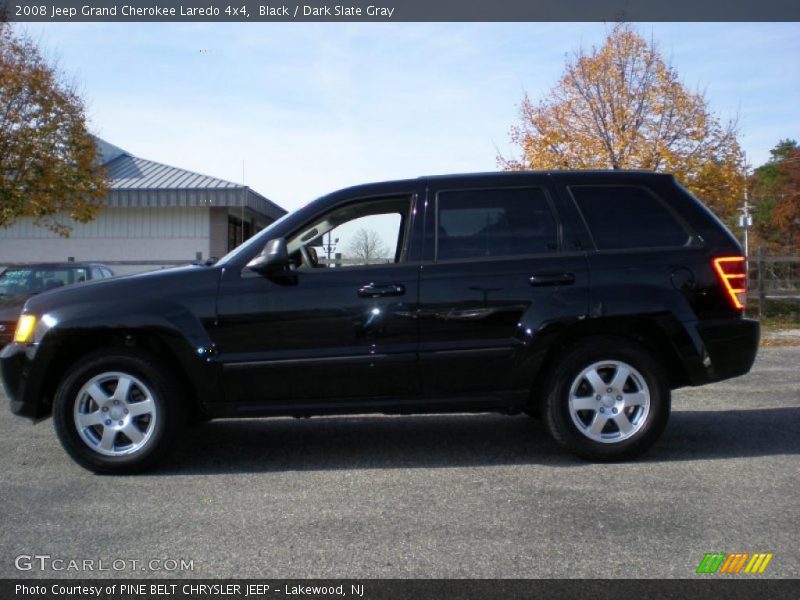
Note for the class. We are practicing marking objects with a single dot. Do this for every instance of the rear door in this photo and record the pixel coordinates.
(496, 276)
(644, 257)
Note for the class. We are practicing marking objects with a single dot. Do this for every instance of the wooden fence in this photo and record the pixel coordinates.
(773, 278)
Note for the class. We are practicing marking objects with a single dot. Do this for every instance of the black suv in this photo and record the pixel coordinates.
(580, 297)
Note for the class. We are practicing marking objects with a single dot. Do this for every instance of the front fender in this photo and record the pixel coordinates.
(32, 371)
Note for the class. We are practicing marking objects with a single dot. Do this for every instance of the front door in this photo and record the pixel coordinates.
(339, 326)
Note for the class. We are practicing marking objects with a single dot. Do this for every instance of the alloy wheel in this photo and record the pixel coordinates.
(609, 401)
(115, 414)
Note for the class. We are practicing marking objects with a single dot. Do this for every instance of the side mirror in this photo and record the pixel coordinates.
(274, 257)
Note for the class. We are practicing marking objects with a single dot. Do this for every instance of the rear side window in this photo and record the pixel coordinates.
(492, 223)
(623, 217)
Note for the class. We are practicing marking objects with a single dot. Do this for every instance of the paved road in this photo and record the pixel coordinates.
(443, 496)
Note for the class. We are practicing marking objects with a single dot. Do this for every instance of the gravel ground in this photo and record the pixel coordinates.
(439, 496)
(780, 337)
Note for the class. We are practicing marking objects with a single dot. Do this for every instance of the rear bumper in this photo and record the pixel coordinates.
(728, 348)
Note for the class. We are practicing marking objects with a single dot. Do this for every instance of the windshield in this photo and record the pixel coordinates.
(260, 239)
(33, 280)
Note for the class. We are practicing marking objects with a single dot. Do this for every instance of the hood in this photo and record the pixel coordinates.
(160, 283)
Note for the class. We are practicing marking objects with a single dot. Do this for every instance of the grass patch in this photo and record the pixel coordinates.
(778, 313)
(779, 342)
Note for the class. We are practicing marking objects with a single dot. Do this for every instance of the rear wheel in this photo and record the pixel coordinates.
(607, 400)
(116, 412)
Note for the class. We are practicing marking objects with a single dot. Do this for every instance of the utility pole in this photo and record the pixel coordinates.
(330, 247)
(244, 194)
(746, 222)
(746, 218)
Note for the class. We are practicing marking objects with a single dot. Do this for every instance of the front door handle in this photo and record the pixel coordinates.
(552, 279)
(374, 290)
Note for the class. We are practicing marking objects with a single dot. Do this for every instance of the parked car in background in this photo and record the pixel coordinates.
(20, 282)
(583, 297)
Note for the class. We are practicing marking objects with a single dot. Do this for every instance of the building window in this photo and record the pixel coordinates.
(236, 233)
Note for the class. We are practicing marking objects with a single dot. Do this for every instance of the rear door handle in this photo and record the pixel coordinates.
(552, 279)
(374, 290)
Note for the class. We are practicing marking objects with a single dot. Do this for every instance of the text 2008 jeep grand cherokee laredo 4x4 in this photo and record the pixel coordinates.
(583, 297)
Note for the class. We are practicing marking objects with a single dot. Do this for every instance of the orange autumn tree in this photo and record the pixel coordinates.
(786, 216)
(48, 167)
(622, 106)
(775, 191)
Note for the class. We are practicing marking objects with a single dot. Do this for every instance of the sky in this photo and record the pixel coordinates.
(297, 110)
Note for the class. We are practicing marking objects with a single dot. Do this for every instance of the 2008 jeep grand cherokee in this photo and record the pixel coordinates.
(580, 297)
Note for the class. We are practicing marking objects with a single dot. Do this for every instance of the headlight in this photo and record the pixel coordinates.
(24, 330)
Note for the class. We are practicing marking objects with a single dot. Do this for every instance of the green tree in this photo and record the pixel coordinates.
(622, 106)
(775, 189)
(48, 166)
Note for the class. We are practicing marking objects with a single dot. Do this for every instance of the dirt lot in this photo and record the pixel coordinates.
(443, 496)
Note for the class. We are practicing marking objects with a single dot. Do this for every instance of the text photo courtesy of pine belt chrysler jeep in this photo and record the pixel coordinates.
(581, 297)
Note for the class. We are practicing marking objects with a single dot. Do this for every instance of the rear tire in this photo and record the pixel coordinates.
(607, 400)
(117, 412)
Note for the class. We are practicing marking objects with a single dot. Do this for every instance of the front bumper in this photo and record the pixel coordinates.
(22, 381)
(6, 333)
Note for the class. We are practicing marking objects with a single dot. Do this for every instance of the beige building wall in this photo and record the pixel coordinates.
(117, 234)
(218, 232)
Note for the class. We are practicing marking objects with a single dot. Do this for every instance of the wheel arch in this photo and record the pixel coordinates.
(73, 345)
(651, 332)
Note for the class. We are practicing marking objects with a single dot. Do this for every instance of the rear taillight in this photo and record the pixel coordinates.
(732, 272)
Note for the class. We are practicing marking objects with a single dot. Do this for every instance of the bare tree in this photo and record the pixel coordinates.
(367, 246)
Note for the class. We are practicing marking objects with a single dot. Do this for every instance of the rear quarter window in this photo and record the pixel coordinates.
(628, 217)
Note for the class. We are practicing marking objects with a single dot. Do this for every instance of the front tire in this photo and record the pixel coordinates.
(607, 400)
(116, 412)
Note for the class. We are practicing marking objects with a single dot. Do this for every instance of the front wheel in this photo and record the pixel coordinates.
(115, 412)
(607, 400)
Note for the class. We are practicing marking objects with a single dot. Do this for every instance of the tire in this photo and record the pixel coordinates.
(106, 429)
(608, 400)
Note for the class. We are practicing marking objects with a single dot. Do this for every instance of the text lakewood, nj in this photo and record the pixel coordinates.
(264, 11)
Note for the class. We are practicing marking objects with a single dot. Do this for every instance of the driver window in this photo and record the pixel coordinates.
(365, 233)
